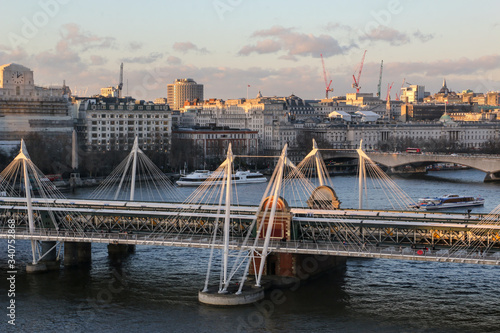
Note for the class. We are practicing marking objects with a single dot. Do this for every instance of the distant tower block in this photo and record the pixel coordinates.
(183, 90)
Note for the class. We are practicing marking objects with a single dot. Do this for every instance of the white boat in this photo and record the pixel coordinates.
(197, 177)
(449, 201)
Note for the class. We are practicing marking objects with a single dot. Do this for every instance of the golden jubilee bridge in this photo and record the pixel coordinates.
(299, 221)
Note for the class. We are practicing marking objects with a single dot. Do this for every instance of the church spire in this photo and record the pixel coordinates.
(444, 89)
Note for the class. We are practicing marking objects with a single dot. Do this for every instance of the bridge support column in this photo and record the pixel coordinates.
(492, 177)
(50, 256)
(49, 262)
(284, 269)
(119, 251)
(39, 267)
(77, 253)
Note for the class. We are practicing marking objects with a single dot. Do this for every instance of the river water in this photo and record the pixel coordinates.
(155, 289)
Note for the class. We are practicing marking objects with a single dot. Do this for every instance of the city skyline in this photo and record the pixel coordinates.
(271, 47)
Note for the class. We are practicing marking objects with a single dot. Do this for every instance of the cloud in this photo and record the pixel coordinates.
(185, 47)
(386, 34)
(152, 57)
(96, 60)
(273, 31)
(423, 37)
(446, 67)
(135, 46)
(381, 33)
(72, 34)
(173, 60)
(293, 43)
(289, 57)
(262, 47)
(17, 55)
(330, 26)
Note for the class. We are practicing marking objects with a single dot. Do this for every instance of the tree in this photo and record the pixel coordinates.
(50, 153)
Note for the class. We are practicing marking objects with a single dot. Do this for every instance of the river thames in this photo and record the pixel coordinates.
(155, 289)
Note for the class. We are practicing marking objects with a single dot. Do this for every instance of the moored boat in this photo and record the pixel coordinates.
(449, 201)
(197, 177)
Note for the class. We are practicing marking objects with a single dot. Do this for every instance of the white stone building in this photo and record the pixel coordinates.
(26, 108)
(112, 124)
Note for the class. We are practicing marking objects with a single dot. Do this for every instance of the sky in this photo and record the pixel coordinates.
(273, 46)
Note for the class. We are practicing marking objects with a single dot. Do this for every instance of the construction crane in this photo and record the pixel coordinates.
(327, 85)
(402, 85)
(356, 81)
(120, 85)
(389, 87)
(379, 86)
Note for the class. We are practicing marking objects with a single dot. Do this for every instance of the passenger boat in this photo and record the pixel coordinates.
(449, 201)
(197, 177)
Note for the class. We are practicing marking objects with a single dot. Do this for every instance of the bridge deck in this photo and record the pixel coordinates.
(313, 248)
(372, 234)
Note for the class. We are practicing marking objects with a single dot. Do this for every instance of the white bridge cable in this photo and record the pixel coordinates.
(311, 173)
(151, 184)
(396, 197)
(13, 185)
(479, 239)
(22, 179)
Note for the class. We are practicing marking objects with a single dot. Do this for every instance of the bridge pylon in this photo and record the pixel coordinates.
(21, 178)
(227, 294)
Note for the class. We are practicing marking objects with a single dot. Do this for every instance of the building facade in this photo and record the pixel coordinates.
(210, 143)
(26, 108)
(183, 90)
(112, 124)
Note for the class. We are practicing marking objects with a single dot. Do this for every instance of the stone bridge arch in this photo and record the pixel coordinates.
(490, 164)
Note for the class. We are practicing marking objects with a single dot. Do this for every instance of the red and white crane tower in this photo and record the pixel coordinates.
(327, 85)
(356, 81)
(389, 87)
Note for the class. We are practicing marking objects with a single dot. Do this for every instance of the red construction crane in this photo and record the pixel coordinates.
(356, 81)
(389, 87)
(402, 84)
(327, 85)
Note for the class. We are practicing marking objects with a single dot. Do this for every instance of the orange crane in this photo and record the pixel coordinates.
(389, 87)
(327, 85)
(356, 81)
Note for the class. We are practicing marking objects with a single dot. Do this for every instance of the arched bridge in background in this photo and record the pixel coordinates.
(488, 164)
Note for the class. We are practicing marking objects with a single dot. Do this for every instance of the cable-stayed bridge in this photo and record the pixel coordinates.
(381, 234)
(295, 216)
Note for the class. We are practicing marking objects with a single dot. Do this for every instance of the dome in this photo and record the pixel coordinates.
(446, 119)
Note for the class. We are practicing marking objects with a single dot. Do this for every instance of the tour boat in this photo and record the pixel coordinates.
(449, 201)
(197, 177)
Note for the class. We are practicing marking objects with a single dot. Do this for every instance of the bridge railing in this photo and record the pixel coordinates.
(304, 247)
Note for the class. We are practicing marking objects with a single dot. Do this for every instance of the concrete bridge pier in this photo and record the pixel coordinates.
(120, 251)
(285, 269)
(50, 259)
(76, 253)
(289, 268)
(492, 177)
(49, 262)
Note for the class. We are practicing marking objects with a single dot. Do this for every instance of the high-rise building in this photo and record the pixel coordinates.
(183, 90)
